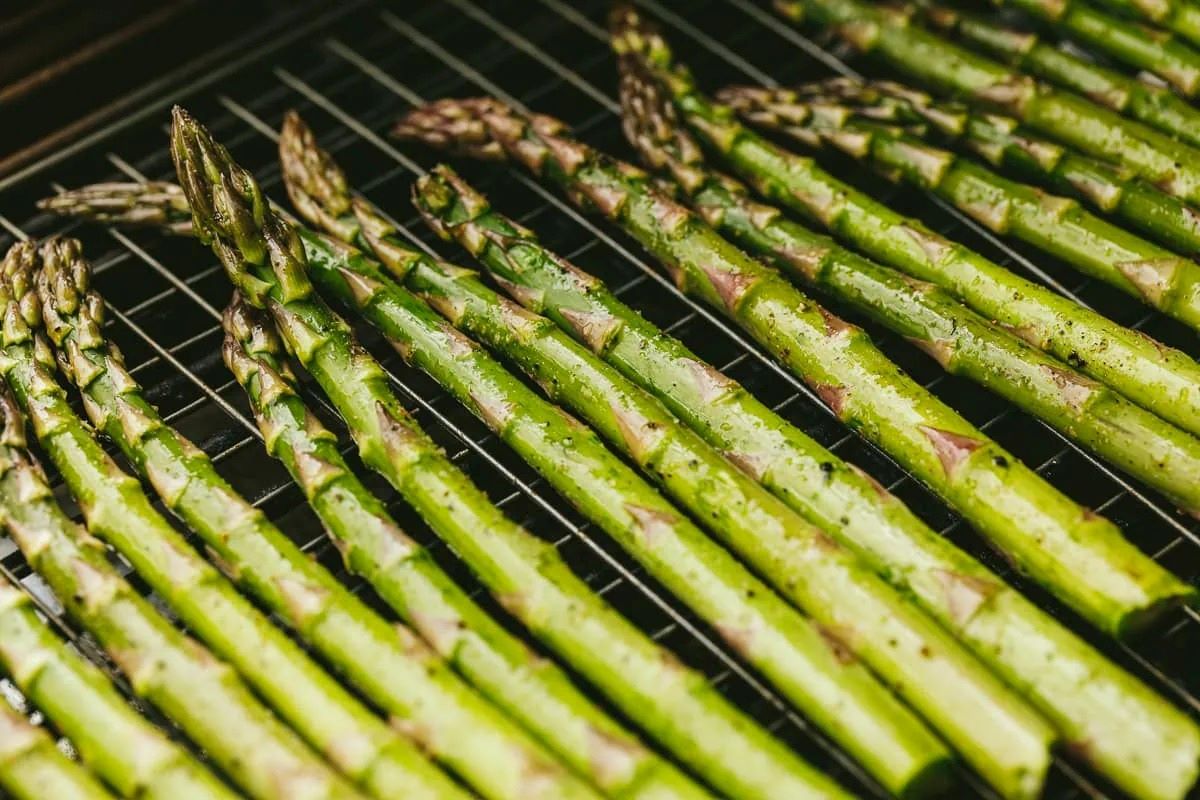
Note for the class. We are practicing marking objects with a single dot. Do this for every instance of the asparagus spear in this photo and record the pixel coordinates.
(116, 743)
(1155, 377)
(536, 692)
(816, 483)
(911, 557)
(1055, 224)
(760, 527)
(700, 728)
(1141, 47)
(1180, 16)
(203, 695)
(1079, 555)
(889, 35)
(557, 622)
(1002, 143)
(1156, 106)
(386, 662)
(32, 768)
(264, 257)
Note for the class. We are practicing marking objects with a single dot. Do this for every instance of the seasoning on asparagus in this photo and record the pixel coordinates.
(1001, 142)
(911, 556)
(1055, 224)
(265, 258)
(386, 662)
(112, 739)
(563, 600)
(890, 35)
(33, 768)
(1155, 377)
(1180, 16)
(841, 697)
(1156, 106)
(202, 695)
(1077, 554)
(505, 669)
(1136, 46)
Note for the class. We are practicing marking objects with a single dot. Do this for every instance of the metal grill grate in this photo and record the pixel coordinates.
(350, 73)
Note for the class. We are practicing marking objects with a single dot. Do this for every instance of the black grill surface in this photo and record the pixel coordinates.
(351, 72)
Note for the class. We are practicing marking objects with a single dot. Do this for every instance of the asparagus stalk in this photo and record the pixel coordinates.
(536, 692)
(1180, 16)
(203, 695)
(386, 662)
(1079, 555)
(912, 556)
(112, 739)
(889, 35)
(817, 484)
(264, 258)
(1137, 46)
(871, 621)
(563, 601)
(1155, 377)
(1156, 106)
(999, 140)
(1055, 224)
(838, 695)
(33, 768)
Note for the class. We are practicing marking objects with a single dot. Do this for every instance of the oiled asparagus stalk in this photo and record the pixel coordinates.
(1052, 537)
(800, 560)
(1180, 16)
(1156, 106)
(1137, 46)
(842, 697)
(386, 662)
(265, 258)
(112, 739)
(562, 600)
(889, 35)
(507, 671)
(911, 556)
(203, 695)
(33, 768)
(1055, 224)
(1003, 143)
(1154, 376)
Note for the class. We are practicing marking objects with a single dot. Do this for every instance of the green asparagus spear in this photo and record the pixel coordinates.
(912, 556)
(815, 483)
(203, 695)
(33, 768)
(711, 736)
(999, 140)
(1137, 46)
(264, 257)
(890, 36)
(385, 662)
(1079, 555)
(1156, 106)
(532, 690)
(1158, 378)
(1055, 224)
(871, 621)
(1180, 16)
(557, 622)
(318, 187)
(116, 742)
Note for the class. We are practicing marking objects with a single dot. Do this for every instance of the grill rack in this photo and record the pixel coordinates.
(350, 72)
